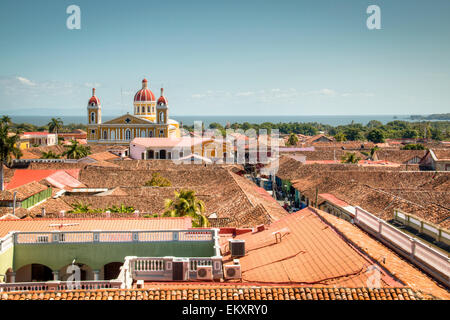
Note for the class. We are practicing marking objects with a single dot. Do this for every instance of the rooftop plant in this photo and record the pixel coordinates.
(158, 181)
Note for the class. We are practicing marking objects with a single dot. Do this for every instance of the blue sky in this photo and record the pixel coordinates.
(244, 57)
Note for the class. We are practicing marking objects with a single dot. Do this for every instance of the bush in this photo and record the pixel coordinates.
(413, 146)
(158, 181)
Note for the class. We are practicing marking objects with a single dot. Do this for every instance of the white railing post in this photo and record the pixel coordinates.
(135, 236)
(413, 247)
(56, 236)
(96, 236)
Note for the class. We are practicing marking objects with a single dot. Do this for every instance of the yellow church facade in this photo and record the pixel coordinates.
(150, 118)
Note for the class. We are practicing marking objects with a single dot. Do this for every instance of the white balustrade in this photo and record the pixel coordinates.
(416, 249)
(111, 236)
(59, 285)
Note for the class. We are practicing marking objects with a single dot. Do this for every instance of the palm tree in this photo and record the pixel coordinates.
(8, 147)
(350, 157)
(81, 207)
(50, 155)
(55, 125)
(76, 151)
(6, 119)
(293, 139)
(186, 204)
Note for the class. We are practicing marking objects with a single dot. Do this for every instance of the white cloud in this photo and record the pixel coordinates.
(92, 84)
(328, 92)
(245, 94)
(25, 81)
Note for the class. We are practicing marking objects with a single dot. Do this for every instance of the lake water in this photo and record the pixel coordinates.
(189, 120)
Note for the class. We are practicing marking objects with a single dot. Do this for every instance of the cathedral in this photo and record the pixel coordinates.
(150, 119)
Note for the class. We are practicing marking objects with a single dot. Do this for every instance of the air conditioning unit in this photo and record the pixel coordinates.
(204, 273)
(237, 247)
(232, 271)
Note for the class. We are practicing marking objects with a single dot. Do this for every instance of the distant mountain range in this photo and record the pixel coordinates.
(436, 116)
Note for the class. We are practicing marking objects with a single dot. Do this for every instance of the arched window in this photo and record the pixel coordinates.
(148, 109)
(92, 117)
(128, 134)
(105, 135)
(161, 117)
(150, 133)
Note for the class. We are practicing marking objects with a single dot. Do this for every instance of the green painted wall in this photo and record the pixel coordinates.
(6, 262)
(96, 255)
(38, 197)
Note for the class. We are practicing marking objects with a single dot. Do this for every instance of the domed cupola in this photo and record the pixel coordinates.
(144, 94)
(94, 101)
(162, 101)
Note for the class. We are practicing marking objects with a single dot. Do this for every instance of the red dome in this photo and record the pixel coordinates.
(94, 101)
(162, 99)
(144, 94)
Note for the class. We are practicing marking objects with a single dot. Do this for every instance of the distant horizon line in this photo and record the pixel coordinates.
(237, 115)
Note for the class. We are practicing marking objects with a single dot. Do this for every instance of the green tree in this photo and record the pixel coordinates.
(158, 181)
(80, 207)
(413, 146)
(374, 124)
(6, 119)
(340, 137)
(376, 136)
(293, 139)
(50, 155)
(409, 134)
(350, 157)
(187, 204)
(215, 125)
(8, 147)
(120, 209)
(55, 125)
(76, 151)
(353, 133)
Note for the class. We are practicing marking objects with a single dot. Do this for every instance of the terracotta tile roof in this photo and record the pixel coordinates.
(29, 155)
(51, 205)
(236, 201)
(103, 164)
(238, 292)
(57, 177)
(23, 192)
(309, 253)
(102, 156)
(402, 269)
(442, 154)
(423, 194)
(105, 224)
(331, 198)
(398, 156)
(61, 179)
